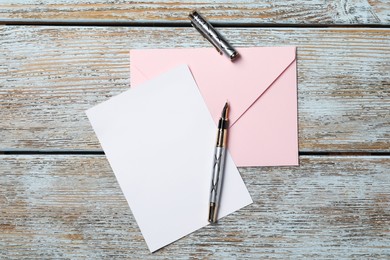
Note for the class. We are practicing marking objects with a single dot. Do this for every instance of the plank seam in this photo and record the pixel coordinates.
(113, 23)
(100, 152)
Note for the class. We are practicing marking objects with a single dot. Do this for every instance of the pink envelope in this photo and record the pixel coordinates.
(261, 87)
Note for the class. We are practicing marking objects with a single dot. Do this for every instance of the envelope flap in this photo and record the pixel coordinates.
(241, 82)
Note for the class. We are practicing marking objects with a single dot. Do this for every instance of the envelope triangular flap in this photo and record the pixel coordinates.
(241, 82)
(269, 63)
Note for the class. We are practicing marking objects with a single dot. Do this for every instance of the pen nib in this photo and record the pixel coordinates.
(225, 111)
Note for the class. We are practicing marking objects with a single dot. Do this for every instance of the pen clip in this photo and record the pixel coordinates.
(206, 37)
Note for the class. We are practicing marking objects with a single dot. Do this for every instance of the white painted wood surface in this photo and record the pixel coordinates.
(70, 206)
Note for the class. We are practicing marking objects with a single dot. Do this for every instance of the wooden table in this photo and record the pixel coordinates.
(59, 198)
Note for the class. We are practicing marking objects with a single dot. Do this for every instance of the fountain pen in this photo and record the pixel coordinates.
(219, 165)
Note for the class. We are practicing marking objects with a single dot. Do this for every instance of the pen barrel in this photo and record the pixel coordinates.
(218, 171)
(217, 177)
(207, 30)
(219, 165)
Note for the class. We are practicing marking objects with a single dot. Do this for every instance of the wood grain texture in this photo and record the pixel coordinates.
(244, 11)
(50, 75)
(70, 207)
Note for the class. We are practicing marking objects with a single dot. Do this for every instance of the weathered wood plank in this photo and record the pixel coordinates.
(268, 12)
(50, 75)
(72, 207)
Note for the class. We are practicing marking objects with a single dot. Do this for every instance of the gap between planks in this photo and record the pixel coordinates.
(100, 152)
(113, 23)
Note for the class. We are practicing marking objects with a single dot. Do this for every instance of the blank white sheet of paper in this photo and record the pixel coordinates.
(159, 140)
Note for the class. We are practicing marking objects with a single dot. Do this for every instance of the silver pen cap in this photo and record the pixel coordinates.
(208, 31)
